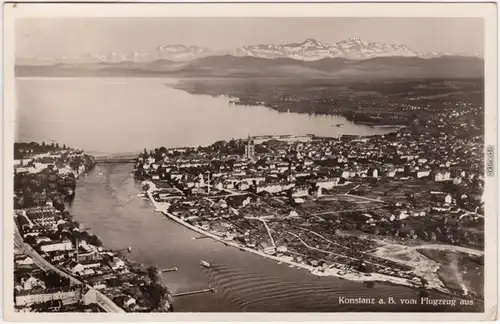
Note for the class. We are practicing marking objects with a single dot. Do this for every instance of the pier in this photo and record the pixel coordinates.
(194, 292)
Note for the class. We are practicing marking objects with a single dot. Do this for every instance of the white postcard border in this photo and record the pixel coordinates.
(484, 10)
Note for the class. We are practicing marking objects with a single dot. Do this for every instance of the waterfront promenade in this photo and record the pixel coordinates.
(352, 276)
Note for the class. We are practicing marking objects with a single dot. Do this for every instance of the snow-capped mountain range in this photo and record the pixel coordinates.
(169, 52)
(310, 49)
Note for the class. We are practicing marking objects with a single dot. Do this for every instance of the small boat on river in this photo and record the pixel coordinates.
(205, 264)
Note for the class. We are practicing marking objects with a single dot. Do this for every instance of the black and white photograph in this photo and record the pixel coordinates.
(200, 163)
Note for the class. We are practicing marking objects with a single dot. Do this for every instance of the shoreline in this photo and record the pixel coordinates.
(361, 119)
(331, 272)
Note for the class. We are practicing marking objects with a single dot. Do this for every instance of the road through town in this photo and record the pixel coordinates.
(107, 304)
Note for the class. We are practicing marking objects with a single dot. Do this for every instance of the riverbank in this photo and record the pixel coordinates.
(55, 241)
(332, 271)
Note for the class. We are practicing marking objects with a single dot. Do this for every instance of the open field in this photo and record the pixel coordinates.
(397, 191)
(424, 266)
(459, 271)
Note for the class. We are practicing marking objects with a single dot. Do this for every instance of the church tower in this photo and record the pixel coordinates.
(250, 149)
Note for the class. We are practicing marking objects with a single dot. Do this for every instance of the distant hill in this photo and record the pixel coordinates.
(384, 67)
(249, 66)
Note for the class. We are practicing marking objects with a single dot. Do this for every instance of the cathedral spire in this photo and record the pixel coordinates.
(250, 148)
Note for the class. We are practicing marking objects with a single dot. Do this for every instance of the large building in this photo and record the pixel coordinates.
(68, 295)
(64, 245)
(250, 149)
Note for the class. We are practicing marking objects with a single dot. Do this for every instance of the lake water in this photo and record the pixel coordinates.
(111, 115)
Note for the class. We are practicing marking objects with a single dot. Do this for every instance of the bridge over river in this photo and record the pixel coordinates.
(116, 158)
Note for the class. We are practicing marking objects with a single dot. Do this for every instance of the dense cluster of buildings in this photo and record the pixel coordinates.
(61, 266)
(308, 199)
(37, 290)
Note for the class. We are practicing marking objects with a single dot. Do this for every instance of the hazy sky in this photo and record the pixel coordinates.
(72, 36)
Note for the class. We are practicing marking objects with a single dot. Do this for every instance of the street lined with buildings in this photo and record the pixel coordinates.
(65, 264)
